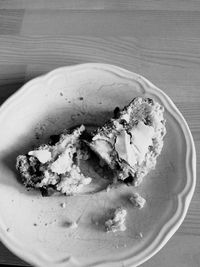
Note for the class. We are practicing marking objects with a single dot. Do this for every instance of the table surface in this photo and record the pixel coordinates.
(158, 39)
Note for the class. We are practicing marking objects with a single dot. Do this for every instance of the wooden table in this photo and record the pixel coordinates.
(158, 39)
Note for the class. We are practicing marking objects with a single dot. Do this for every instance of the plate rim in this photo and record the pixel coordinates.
(184, 197)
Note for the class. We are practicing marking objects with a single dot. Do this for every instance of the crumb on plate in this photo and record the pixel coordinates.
(117, 222)
(63, 205)
(137, 200)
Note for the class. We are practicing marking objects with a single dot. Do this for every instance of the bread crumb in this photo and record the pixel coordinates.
(63, 205)
(108, 188)
(137, 200)
(74, 225)
(71, 225)
(117, 222)
(139, 235)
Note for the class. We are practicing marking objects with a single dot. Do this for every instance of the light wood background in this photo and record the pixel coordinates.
(158, 39)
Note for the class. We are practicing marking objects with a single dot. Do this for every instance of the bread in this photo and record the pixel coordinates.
(129, 144)
(55, 167)
(131, 141)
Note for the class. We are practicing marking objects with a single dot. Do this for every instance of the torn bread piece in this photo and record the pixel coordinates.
(55, 167)
(131, 141)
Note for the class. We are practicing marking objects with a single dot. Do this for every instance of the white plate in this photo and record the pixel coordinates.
(34, 228)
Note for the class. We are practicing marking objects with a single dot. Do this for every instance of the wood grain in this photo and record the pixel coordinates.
(10, 21)
(136, 23)
(191, 5)
(158, 39)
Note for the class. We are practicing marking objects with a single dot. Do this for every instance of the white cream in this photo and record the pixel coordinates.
(133, 148)
(86, 180)
(125, 150)
(126, 116)
(104, 148)
(142, 137)
(63, 163)
(42, 155)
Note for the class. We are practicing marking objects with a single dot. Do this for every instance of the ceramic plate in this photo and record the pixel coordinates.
(34, 227)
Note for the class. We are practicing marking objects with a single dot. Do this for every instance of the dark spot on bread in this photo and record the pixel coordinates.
(128, 180)
(54, 139)
(47, 191)
(116, 113)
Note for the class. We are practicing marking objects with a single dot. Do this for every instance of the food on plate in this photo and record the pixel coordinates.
(117, 221)
(129, 144)
(131, 141)
(55, 167)
(137, 200)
